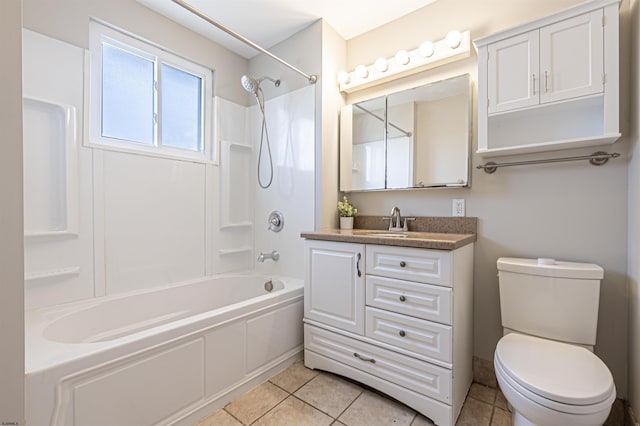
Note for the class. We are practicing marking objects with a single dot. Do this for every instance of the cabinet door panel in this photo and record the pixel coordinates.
(513, 77)
(572, 57)
(334, 284)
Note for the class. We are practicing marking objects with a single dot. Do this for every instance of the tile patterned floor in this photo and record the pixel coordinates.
(302, 397)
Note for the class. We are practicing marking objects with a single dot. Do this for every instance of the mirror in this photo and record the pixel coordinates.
(416, 138)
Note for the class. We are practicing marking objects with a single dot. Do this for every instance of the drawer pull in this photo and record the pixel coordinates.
(364, 358)
(358, 265)
(403, 264)
(402, 333)
(403, 299)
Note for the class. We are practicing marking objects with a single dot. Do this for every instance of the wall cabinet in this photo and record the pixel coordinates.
(551, 83)
(395, 318)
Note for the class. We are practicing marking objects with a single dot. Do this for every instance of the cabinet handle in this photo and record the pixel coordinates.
(403, 264)
(546, 81)
(402, 298)
(358, 265)
(533, 81)
(364, 358)
(402, 333)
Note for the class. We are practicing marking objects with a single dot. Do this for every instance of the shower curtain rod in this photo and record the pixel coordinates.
(311, 78)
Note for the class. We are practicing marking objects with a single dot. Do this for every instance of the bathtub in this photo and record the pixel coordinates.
(168, 356)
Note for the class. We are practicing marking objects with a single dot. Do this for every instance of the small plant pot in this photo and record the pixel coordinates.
(346, 223)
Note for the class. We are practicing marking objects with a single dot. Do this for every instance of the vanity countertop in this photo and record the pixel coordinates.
(426, 240)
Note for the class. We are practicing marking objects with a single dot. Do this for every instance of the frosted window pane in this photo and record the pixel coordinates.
(127, 96)
(181, 109)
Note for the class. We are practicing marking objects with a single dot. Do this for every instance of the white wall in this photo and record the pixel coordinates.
(11, 234)
(570, 211)
(633, 256)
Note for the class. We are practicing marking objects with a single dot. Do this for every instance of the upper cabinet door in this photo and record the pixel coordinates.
(513, 77)
(572, 57)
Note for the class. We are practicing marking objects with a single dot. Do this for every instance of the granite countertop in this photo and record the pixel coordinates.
(439, 233)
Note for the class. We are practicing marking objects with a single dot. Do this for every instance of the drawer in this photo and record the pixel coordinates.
(424, 337)
(418, 300)
(425, 266)
(418, 376)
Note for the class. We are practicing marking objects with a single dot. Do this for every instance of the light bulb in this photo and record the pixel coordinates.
(453, 38)
(426, 49)
(402, 57)
(361, 71)
(381, 64)
(343, 77)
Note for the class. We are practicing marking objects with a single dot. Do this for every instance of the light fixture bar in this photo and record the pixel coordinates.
(453, 47)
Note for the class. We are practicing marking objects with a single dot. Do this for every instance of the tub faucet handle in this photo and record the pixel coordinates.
(274, 255)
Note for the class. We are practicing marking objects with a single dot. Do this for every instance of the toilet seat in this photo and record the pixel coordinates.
(559, 376)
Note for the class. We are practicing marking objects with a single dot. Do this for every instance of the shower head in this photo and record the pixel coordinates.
(251, 84)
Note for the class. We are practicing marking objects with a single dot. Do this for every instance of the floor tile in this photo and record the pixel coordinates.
(482, 393)
(256, 402)
(501, 418)
(330, 394)
(293, 412)
(294, 377)
(420, 420)
(371, 409)
(501, 401)
(475, 413)
(219, 418)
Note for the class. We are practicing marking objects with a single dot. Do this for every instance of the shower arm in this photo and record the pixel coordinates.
(311, 78)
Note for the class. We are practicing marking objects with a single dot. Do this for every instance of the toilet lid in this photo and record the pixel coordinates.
(557, 371)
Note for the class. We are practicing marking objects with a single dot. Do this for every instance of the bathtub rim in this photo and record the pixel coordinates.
(62, 354)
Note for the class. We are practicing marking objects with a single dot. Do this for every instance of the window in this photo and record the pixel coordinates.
(146, 99)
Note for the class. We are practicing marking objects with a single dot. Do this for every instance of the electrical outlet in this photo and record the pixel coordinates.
(458, 207)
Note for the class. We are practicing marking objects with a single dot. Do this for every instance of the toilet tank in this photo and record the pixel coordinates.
(550, 299)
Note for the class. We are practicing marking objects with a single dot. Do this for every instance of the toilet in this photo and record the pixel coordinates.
(544, 362)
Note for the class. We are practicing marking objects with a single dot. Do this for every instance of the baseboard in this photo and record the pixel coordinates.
(484, 372)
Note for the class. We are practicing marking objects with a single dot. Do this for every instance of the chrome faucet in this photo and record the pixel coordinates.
(395, 214)
(274, 255)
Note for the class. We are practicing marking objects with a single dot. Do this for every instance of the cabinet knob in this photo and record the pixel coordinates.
(403, 264)
(402, 298)
(402, 333)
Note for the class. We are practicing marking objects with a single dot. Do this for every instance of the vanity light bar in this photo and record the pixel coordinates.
(454, 46)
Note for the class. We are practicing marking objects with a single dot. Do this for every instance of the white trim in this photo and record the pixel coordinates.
(100, 33)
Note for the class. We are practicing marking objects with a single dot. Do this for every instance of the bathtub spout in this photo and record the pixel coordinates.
(274, 255)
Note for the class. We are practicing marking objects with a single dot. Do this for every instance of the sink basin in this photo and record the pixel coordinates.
(383, 234)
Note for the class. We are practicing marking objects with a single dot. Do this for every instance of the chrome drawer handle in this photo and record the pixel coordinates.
(364, 358)
(402, 333)
(402, 298)
(403, 264)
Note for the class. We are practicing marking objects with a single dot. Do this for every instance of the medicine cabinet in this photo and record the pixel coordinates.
(415, 138)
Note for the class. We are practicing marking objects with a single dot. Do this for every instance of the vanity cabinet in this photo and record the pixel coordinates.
(551, 83)
(398, 319)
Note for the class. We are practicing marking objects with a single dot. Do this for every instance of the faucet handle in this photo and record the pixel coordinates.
(405, 227)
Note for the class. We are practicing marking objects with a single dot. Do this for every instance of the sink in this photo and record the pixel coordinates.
(383, 234)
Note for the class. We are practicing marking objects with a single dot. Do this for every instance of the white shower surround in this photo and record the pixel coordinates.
(164, 356)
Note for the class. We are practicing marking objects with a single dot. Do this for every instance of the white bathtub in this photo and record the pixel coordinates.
(167, 356)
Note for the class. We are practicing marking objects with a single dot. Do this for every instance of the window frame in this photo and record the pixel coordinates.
(101, 33)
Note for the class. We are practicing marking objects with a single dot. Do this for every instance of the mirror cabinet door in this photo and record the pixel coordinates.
(427, 139)
(362, 145)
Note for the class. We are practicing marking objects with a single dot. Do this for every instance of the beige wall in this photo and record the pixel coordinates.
(633, 258)
(568, 211)
(68, 20)
(11, 236)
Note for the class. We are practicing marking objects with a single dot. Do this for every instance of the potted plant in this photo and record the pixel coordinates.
(347, 212)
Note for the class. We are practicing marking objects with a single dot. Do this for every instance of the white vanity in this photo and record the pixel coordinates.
(393, 313)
